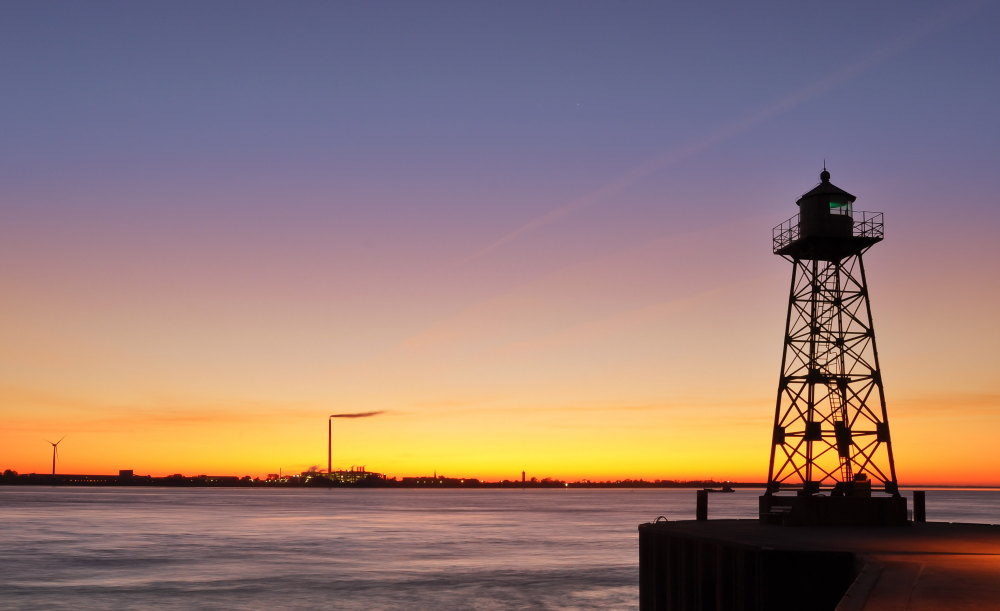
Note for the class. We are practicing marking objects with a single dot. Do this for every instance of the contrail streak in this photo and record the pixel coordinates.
(734, 128)
(358, 415)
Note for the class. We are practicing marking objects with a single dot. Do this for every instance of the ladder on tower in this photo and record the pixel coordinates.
(837, 407)
(827, 285)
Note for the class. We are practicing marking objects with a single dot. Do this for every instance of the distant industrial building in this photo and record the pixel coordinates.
(353, 475)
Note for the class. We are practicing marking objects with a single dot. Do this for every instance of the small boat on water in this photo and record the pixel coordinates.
(726, 487)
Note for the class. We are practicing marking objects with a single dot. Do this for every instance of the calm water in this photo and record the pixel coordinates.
(348, 549)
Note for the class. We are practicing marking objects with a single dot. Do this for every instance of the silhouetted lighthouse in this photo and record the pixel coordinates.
(830, 443)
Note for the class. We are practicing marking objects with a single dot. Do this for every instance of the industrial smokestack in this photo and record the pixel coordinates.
(329, 433)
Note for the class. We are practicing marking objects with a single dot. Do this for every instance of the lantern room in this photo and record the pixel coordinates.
(826, 211)
(827, 226)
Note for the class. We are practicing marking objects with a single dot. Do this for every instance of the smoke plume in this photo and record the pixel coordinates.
(358, 415)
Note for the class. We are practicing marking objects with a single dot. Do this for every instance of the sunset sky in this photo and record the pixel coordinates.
(536, 234)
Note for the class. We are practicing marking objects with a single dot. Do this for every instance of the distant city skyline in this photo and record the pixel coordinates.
(533, 235)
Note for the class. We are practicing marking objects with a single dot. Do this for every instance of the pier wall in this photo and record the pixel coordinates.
(747, 564)
(688, 572)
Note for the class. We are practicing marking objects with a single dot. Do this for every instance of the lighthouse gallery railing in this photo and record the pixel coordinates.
(866, 225)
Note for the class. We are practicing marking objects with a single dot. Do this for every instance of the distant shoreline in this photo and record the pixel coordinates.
(437, 483)
(322, 481)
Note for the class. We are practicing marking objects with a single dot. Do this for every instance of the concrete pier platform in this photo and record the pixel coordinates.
(745, 565)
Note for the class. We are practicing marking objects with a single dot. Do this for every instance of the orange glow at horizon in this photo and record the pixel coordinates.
(674, 383)
(594, 442)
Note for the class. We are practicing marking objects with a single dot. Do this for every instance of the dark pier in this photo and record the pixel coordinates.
(747, 565)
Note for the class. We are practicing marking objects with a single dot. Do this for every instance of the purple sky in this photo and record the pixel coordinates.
(208, 204)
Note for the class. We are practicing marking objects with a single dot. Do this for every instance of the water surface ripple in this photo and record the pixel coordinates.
(144, 548)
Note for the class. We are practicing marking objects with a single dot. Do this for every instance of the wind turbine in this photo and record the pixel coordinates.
(55, 452)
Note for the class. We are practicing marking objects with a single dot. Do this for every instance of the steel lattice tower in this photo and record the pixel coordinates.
(831, 428)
